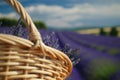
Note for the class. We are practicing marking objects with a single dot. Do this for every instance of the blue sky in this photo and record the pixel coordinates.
(69, 13)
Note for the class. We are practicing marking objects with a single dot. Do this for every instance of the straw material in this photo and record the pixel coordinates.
(22, 59)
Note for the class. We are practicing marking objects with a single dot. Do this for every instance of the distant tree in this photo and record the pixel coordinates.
(13, 22)
(8, 22)
(40, 24)
(102, 32)
(113, 32)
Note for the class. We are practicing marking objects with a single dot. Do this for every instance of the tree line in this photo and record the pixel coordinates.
(113, 32)
(12, 22)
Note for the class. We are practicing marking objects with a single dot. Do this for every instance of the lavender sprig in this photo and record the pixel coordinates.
(16, 30)
(50, 40)
(73, 54)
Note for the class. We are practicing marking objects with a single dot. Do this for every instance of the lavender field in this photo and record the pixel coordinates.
(99, 55)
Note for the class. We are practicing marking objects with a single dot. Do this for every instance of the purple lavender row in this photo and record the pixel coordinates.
(102, 40)
(91, 59)
(92, 44)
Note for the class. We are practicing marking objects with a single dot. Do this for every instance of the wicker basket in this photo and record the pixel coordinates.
(21, 59)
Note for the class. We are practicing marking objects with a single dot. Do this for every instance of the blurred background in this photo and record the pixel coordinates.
(88, 31)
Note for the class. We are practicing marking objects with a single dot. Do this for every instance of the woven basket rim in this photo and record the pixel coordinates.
(22, 42)
(14, 40)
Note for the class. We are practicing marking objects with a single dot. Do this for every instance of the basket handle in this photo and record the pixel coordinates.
(34, 35)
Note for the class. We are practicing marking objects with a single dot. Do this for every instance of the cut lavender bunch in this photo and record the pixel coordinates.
(73, 54)
(16, 30)
(50, 40)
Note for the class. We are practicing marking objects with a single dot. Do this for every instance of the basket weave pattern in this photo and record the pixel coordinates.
(21, 59)
(20, 63)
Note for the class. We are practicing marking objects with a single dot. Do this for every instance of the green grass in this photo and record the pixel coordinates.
(102, 69)
(113, 51)
(100, 48)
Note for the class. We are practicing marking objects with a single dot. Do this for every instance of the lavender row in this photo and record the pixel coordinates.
(92, 61)
(100, 40)
(92, 44)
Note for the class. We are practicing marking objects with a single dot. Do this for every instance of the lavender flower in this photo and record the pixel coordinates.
(50, 40)
(18, 29)
(73, 54)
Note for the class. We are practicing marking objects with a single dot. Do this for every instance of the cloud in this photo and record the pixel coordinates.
(9, 15)
(57, 22)
(78, 15)
(60, 16)
(54, 15)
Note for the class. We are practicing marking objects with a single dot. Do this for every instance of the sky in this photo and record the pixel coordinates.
(69, 13)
